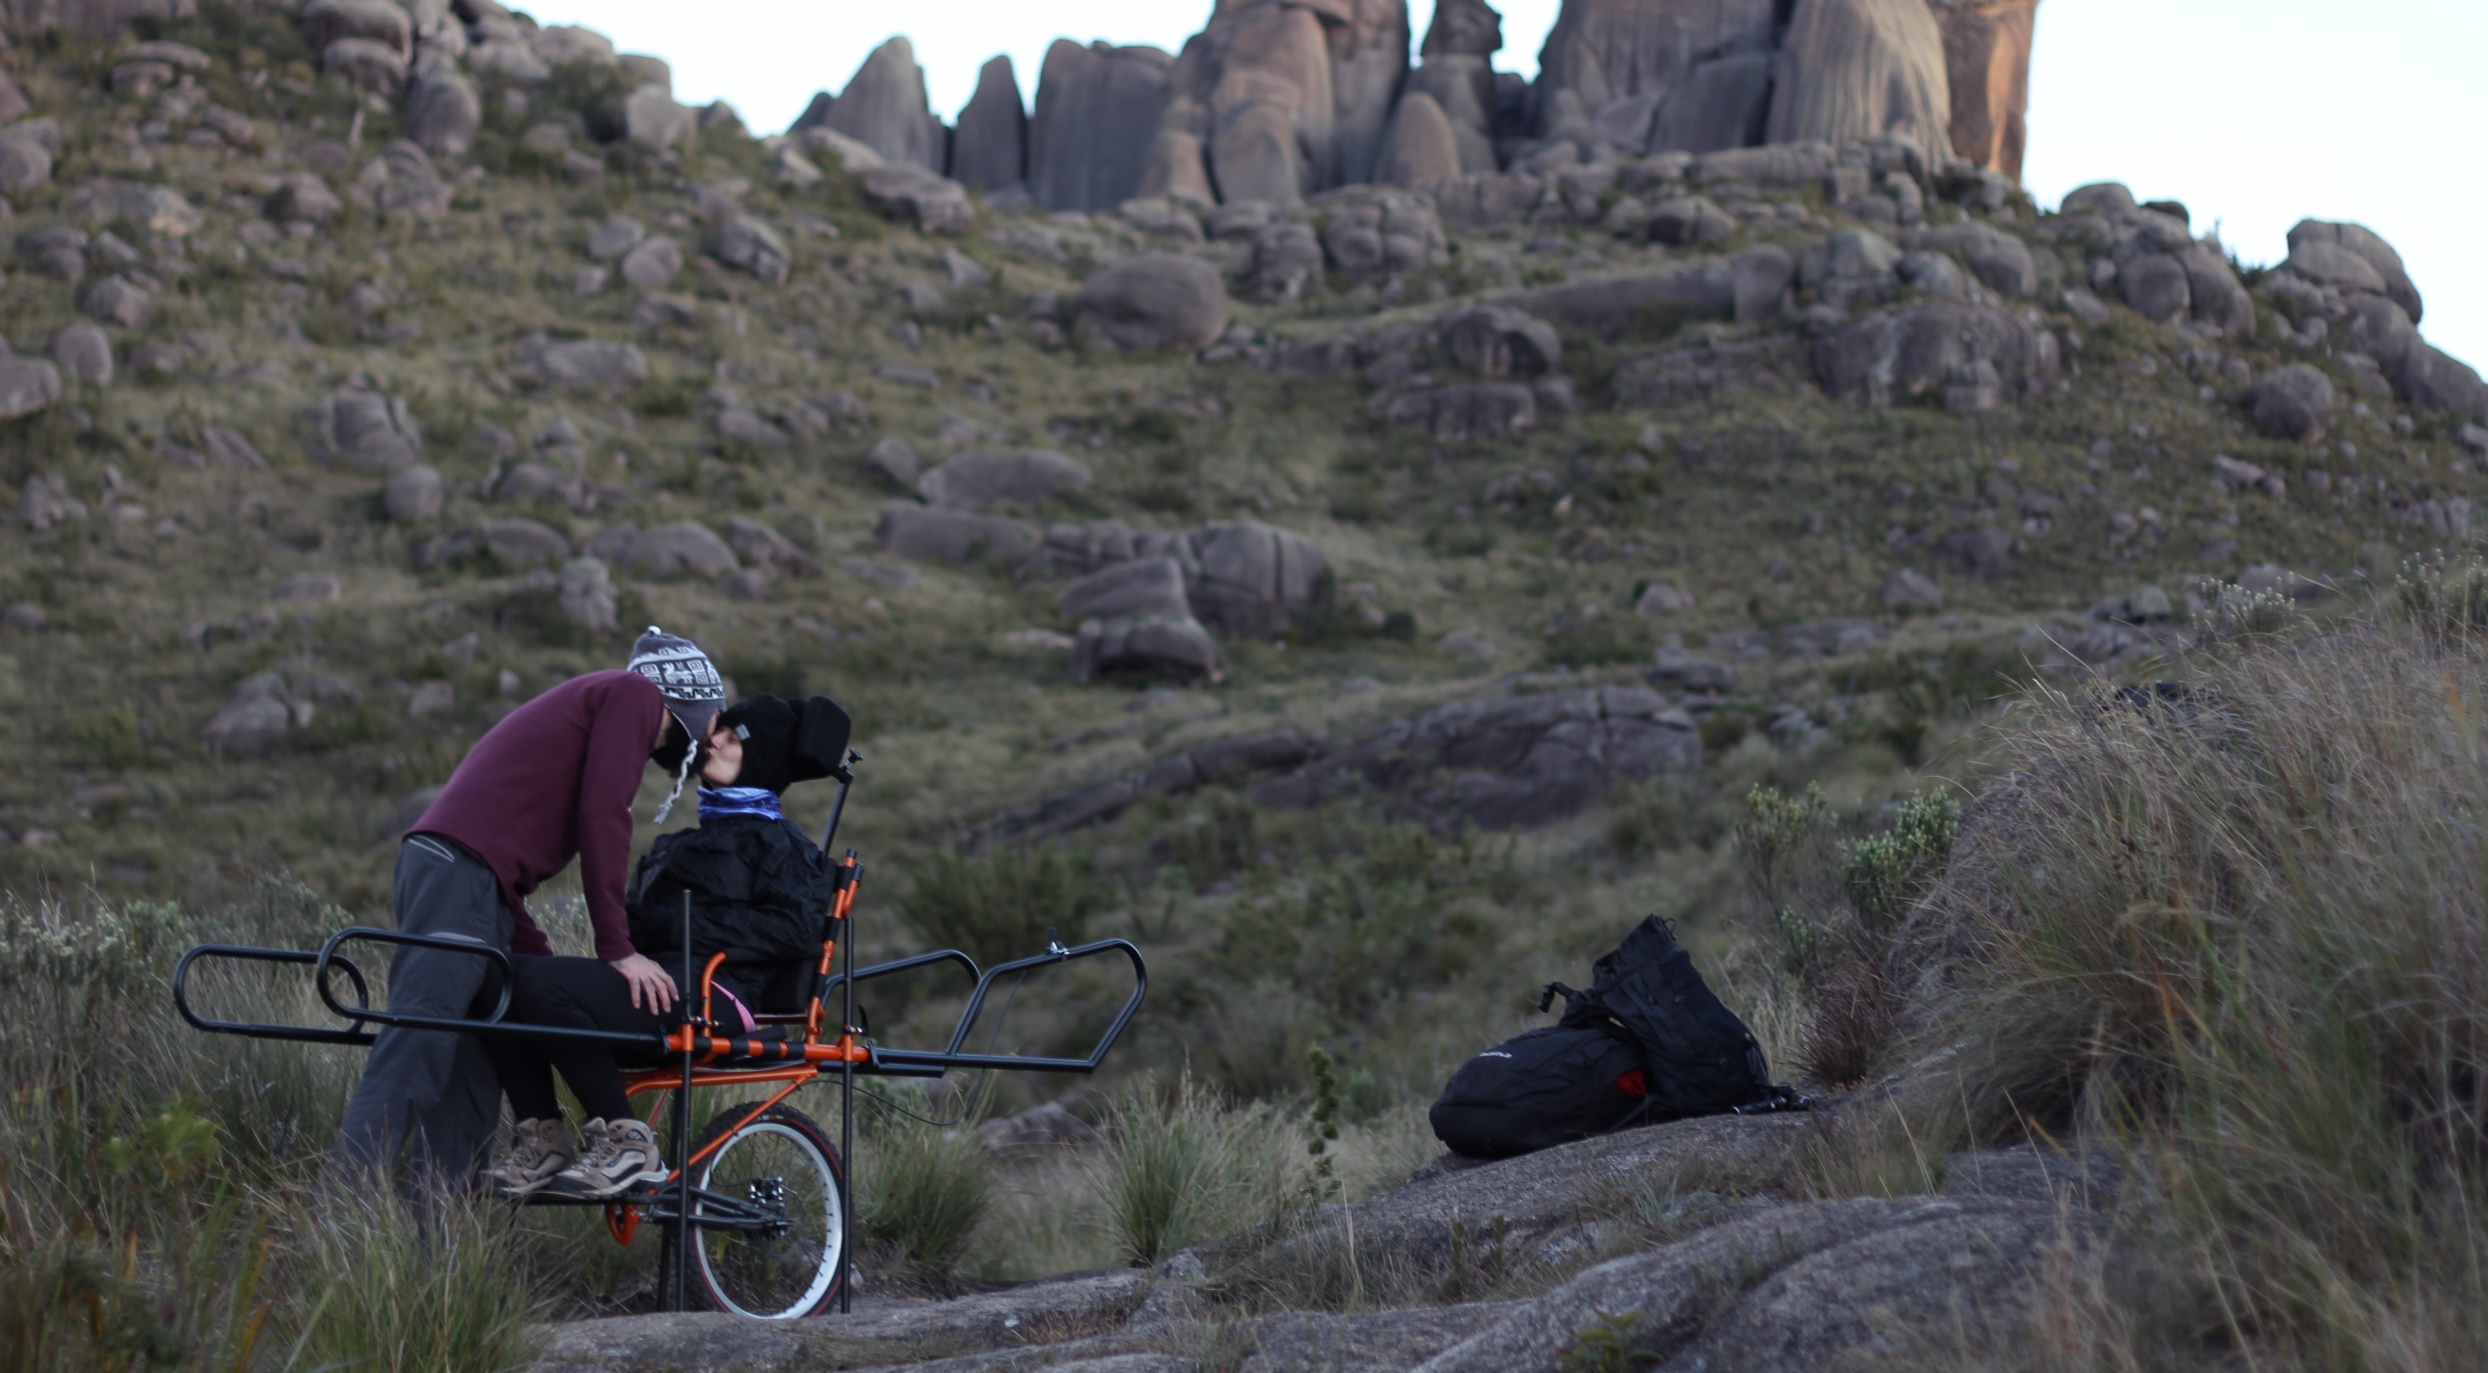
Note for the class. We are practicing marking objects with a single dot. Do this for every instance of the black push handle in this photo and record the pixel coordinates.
(902, 1060)
(328, 954)
(354, 1035)
(922, 960)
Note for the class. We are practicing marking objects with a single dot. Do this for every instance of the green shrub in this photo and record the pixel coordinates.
(2443, 598)
(1884, 873)
(1001, 905)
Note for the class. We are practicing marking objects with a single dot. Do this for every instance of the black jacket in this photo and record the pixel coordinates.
(760, 894)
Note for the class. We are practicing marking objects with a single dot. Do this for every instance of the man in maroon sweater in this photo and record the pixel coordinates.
(553, 781)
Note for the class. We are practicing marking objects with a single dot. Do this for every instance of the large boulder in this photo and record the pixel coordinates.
(25, 165)
(1147, 648)
(927, 533)
(1723, 103)
(1277, 100)
(84, 352)
(582, 364)
(252, 720)
(139, 205)
(1423, 146)
(884, 108)
(1852, 269)
(1499, 341)
(1250, 579)
(667, 550)
(443, 112)
(1893, 356)
(1862, 69)
(1798, 1287)
(1143, 587)
(1463, 413)
(2001, 261)
(1090, 141)
(1374, 231)
(415, 494)
(1506, 762)
(756, 248)
(1606, 54)
(1987, 64)
(1458, 76)
(912, 195)
(380, 21)
(989, 151)
(1154, 302)
(363, 430)
(653, 118)
(368, 66)
(2419, 372)
(1611, 306)
(2295, 403)
(2310, 240)
(974, 481)
(26, 386)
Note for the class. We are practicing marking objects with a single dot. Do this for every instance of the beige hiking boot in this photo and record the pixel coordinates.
(620, 1155)
(539, 1151)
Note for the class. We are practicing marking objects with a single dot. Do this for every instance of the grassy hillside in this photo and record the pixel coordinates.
(1397, 947)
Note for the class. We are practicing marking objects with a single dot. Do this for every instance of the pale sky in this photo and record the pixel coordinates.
(2256, 113)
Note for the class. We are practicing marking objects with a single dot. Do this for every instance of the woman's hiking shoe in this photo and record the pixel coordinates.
(539, 1151)
(620, 1155)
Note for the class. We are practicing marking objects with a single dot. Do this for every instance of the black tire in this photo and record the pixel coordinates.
(781, 1160)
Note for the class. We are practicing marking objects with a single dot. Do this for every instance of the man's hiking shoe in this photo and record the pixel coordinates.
(620, 1155)
(539, 1151)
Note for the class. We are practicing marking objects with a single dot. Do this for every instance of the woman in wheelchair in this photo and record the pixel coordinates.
(758, 888)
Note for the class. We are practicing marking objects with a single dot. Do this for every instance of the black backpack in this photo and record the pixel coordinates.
(1646, 998)
(1546, 1087)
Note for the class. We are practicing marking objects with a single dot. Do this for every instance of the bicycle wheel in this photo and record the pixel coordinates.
(772, 1234)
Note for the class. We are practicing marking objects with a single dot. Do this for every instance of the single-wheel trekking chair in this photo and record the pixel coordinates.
(762, 1193)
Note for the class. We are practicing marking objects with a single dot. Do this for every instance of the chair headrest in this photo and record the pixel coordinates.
(785, 742)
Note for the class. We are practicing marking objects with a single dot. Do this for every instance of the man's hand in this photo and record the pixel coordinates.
(647, 980)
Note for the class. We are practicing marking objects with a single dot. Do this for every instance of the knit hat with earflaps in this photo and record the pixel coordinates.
(692, 689)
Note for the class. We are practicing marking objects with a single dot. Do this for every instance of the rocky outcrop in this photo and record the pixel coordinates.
(1987, 64)
(1423, 146)
(1890, 357)
(1797, 1287)
(930, 534)
(2352, 257)
(1506, 764)
(1278, 99)
(989, 150)
(1147, 648)
(2295, 402)
(364, 430)
(1096, 122)
(885, 109)
(1633, 64)
(975, 481)
(1861, 69)
(1154, 302)
(1458, 77)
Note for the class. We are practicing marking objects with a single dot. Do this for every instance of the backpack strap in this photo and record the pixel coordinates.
(1546, 997)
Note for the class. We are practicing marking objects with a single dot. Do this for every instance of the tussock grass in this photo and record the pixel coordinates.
(2238, 932)
(1185, 1168)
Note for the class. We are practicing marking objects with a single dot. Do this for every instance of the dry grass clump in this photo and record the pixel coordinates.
(2238, 930)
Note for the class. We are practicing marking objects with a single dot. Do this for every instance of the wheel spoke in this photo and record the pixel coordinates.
(775, 1170)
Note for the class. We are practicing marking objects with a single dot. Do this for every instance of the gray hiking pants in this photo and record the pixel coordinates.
(430, 1091)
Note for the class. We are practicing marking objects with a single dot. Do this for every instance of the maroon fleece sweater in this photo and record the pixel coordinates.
(553, 781)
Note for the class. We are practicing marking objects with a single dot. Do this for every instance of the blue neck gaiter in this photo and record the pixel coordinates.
(717, 803)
